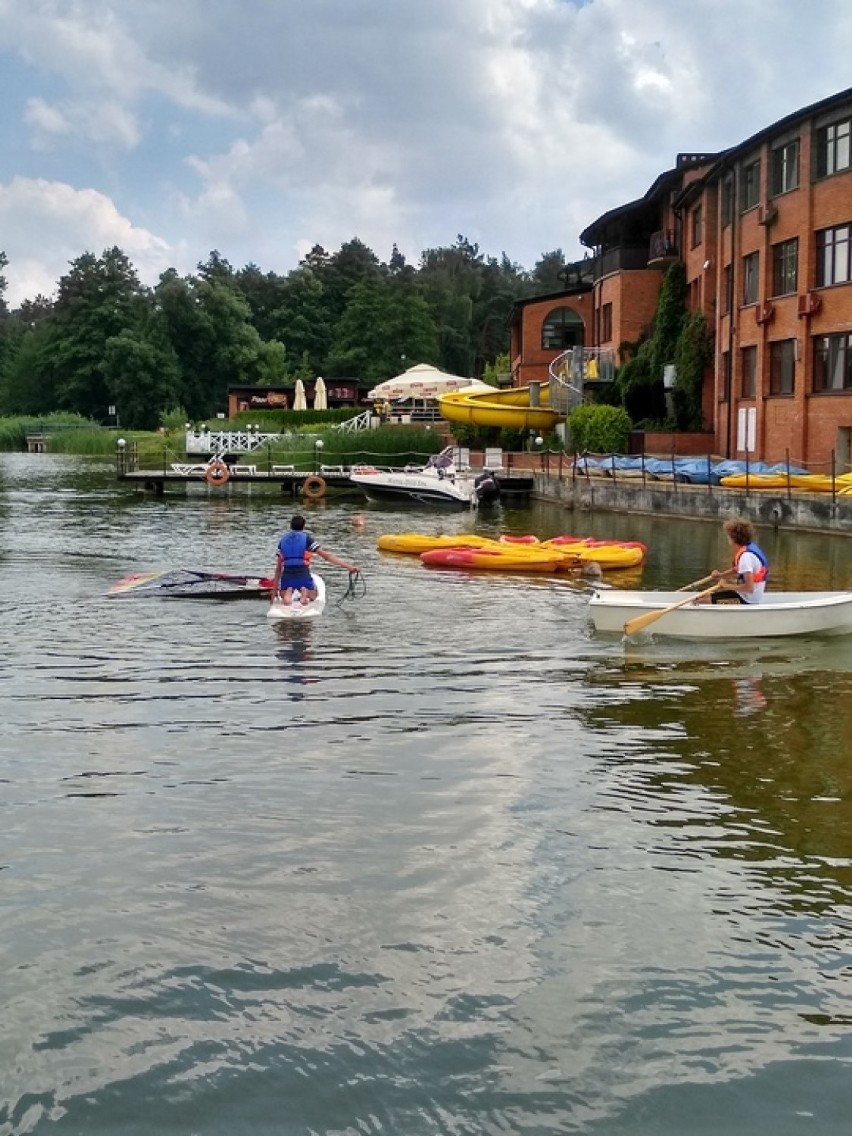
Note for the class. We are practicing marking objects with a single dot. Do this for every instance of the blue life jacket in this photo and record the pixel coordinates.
(762, 573)
(293, 547)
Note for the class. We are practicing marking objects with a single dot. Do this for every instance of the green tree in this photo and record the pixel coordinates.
(494, 371)
(98, 299)
(265, 294)
(451, 281)
(142, 378)
(301, 321)
(210, 330)
(548, 272)
(28, 384)
(384, 320)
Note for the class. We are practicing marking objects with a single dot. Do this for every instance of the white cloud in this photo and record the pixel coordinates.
(261, 128)
(99, 122)
(62, 223)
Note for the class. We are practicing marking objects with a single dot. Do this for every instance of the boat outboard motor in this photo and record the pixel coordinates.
(485, 486)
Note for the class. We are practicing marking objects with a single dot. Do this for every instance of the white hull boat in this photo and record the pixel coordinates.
(296, 609)
(438, 482)
(780, 614)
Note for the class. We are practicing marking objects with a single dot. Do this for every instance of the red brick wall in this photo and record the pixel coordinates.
(633, 296)
(529, 360)
(803, 425)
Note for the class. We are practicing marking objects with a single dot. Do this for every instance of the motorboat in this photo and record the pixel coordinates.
(437, 482)
(779, 615)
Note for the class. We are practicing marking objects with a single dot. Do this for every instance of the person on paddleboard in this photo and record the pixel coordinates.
(292, 563)
(750, 568)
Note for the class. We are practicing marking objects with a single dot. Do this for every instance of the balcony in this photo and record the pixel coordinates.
(622, 258)
(662, 247)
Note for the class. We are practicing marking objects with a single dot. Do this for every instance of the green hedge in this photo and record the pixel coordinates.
(599, 429)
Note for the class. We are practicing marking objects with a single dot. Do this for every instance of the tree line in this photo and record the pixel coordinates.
(106, 340)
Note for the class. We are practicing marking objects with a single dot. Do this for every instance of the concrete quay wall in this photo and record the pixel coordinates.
(814, 512)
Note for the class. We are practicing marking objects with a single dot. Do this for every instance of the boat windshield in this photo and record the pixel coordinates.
(443, 460)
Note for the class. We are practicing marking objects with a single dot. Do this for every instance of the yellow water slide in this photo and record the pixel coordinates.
(505, 408)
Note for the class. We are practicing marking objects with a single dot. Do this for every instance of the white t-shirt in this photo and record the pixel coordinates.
(748, 562)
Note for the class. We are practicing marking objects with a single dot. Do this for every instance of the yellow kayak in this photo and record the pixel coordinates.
(563, 557)
(490, 560)
(607, 555)
(414, 543)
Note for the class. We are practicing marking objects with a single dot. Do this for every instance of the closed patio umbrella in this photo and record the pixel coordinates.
(299, 400)
(320, 395)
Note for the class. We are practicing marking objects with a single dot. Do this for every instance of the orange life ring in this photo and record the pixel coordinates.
(217, 473)
(313, 488)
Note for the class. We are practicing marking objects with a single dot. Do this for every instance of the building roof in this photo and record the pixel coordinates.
(644, 209)
(721, 160)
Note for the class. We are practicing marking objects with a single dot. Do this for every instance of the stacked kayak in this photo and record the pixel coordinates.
(505, 559)
(515, 554)
(607, 554)
(808, 482)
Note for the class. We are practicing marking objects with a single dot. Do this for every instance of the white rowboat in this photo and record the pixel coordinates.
(780, 614)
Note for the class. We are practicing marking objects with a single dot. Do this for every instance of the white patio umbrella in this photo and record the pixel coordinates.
(421, 381)
(320, 395)
(299, 400)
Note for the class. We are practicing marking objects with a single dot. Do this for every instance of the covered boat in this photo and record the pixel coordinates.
(780, 614)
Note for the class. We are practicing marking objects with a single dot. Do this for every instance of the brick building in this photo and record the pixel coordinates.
(764, 231)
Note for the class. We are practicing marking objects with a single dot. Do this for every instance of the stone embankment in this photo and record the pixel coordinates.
(815, 512)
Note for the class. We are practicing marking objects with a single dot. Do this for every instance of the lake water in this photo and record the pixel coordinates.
(442, 863)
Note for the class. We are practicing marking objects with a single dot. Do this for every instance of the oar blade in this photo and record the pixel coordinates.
(640, 622)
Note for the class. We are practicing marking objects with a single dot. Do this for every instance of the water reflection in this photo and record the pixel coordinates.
(294, 636)
(493, 872)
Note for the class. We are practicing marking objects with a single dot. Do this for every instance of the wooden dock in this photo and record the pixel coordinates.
(296, 482)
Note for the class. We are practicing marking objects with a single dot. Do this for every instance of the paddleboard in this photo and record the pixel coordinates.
(296, 609)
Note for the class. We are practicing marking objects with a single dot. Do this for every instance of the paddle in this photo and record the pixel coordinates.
(640, 622)
(697, 583)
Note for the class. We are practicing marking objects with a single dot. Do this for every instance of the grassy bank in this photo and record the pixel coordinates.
(70, 434)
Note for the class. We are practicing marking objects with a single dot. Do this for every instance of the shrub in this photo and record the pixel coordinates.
(599, 429)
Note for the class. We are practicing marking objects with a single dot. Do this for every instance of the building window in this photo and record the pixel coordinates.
(606, 323)
(726, 289)
(833, 363)
(750, 185)
(832, 148)
(727, 201)
(562, 328)
(697, 226)
(751, 265)
(785, 168)
(833, 261)
(782, 366)
(785, 264)
(749, 372)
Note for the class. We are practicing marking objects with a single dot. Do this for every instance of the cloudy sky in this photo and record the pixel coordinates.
(263, 127)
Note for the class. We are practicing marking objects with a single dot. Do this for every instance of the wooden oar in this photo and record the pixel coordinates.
(696, 583)
(640, 622)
